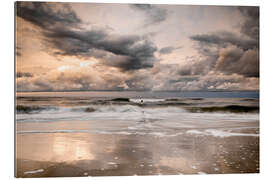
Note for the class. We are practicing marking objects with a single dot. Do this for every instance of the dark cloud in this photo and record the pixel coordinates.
(222, 39)
(231, 53)
(235, 60)
(155, 15)
(168, 49)
(74, 42)
(23, 74)
(124, 52)
(65, 37)
(250, 26)
(46, 15)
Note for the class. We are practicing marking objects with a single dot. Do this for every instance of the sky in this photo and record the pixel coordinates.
(151, 47)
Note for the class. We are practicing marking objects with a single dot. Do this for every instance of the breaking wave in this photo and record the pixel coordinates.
(230, 108)
(32, 109)
(163, 107)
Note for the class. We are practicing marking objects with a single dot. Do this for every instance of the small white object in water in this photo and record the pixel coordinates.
(115, 157)
(150, 165)
(133, 151)
(193, 167)
(34, 171)
(216, 169)
(86, 174)
(111, 163)
(141, 165)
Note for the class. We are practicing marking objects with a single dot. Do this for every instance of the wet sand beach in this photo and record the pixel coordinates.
(88, 154)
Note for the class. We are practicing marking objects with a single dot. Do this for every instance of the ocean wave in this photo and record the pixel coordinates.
(97, 108)
(31, 109)
(183, 99)
(120, 99)
(250, 99)
(138, 102)
(229, 108)
(157, 108)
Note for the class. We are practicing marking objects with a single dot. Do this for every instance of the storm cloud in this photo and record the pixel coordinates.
(154, 14)
(67, 46)
(235, 60)
(250, 26)
(45, 14)
(222, 39)
(126, 52)
(232, 53)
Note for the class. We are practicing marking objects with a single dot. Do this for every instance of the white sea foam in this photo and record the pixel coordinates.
(219, 133)
(146, 100)
(194, 132)
(111, 163)
(156, 134)
(34, 171)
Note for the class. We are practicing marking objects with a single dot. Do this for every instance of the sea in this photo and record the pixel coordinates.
(158, 114)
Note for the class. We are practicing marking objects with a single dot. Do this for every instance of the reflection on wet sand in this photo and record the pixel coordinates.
(86, 154)
(67, 149)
